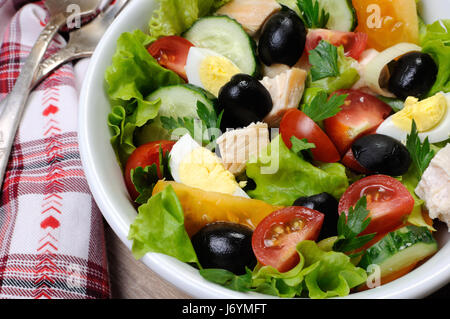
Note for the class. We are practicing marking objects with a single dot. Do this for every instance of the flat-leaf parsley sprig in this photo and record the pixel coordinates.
(350, 226)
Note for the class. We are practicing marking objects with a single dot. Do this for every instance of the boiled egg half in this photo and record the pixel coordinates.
(432, 117)
(209, 70)
(198, 167)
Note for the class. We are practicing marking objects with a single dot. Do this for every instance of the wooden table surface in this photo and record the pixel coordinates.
(131, 279)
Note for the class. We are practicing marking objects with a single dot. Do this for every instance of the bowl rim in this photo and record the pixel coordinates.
(419, 283)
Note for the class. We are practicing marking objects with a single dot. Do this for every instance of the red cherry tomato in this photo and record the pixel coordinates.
(276, 236)
(387, 200)
(143, 156)
(171, 52)
(298, 124)
(361, 114)
(354, 42)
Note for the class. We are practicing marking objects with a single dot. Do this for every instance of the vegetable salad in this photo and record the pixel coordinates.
(295, 148)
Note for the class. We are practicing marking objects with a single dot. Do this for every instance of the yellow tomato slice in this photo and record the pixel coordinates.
(387, 22)
(202, 207)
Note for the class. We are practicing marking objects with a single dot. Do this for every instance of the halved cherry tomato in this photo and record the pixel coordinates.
(387, 200)
(276, 236)
(354, 42)
(171, 52)
(298, 124)
(143, 156)
(350, 162)
(360, 115)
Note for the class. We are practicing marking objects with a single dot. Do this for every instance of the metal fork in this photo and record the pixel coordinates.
(12, 110)
(82, 42)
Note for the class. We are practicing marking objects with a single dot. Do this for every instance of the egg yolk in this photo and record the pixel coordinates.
(427, 113)
(215, 72)
(204, 170)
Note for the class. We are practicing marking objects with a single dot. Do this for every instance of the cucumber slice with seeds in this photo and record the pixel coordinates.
(227, 37)
(342, 14)
(400, 249)
(176, 101)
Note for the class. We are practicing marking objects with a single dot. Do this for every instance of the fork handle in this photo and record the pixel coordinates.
(14, 105)
(59, 58)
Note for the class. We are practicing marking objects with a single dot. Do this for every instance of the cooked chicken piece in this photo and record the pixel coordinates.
(434, 187)
(251, 14)
(236, 147)
(276, 69)
(286, 90)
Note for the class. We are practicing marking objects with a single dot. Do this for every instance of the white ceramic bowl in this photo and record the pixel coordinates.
(107, 185)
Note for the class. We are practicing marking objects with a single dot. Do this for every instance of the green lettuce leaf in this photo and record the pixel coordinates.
(282, 176)
(348, 75)
(159, 228)
(176, 16)
(435, 40)
(328, 274)
(410, 181)
(133, 75)
(287, 284)
(319, 274)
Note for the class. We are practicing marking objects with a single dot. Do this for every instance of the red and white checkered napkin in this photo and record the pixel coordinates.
(51, 231)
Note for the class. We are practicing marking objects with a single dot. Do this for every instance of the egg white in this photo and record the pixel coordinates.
(183, 148)
(439, 133)
(180, 150)
(194, 61)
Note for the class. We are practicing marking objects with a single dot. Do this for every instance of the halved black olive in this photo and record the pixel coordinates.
(244, 101)
(412, 75)
(327, 205)
(282, 39)
(225, 246)
(382, 154)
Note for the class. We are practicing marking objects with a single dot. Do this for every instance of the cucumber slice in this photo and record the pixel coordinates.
(227, 37)
(176, 101)
(400, 249)
(342, 14)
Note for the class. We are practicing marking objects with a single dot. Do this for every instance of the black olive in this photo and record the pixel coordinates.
(382, 154)
(282, 39)
(225, 246)
(327, 205)
(413, 75)
(244, 101)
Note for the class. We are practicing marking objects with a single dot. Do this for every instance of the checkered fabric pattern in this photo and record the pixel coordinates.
(51, 231)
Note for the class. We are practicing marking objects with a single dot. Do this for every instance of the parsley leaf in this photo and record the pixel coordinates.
(421, 153)
(313, 16)
(324, 61)
(349, 227)
(207, 123)
(322, 108)
(302, 146)
(145, 179)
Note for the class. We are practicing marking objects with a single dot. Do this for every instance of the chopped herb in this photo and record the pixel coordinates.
(300, 146)
(322, 108)
(349, 227)
(324, 61)
(313, 16)
(145, 179)
(207, 123)
(421, 153)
